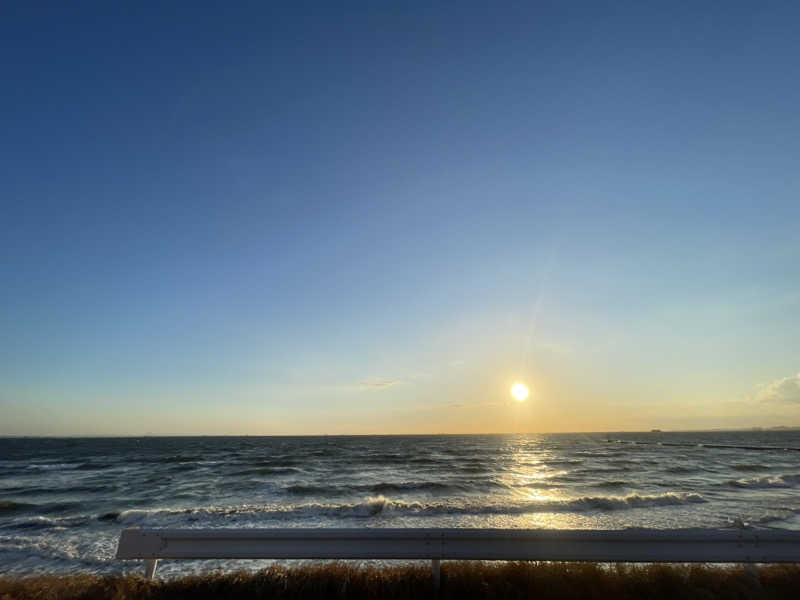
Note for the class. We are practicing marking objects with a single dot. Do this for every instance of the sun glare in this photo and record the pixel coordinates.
(519, 391)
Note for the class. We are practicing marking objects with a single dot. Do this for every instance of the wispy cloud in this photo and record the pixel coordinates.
(377, 384)
(782, 390)
(480, 404)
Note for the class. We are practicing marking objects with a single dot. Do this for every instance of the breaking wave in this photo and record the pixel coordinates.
(778, 481)
(377, 505)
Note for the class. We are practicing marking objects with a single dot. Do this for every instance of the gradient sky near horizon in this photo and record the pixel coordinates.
(247, 218)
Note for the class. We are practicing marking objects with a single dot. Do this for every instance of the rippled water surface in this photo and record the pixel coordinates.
(63, 502)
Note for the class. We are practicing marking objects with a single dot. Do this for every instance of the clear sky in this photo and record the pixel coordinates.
(340, 218)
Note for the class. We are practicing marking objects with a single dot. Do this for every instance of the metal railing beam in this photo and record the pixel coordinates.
(631, 545)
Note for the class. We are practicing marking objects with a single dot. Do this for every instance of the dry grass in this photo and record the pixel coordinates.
(542, 581)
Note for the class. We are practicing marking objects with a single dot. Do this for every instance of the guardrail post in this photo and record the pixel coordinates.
(150, 568)
(437, 573)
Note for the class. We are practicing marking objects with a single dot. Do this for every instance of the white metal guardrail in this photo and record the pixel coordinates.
(630, 545)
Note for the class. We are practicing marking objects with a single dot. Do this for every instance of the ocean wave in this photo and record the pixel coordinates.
(83, 550)
(52, 466)
(381, 488)
(557, 462)
(28, 491)
(90, 489)
(386, 459)
(42, 522)
(183, 466)
(542, 484)
(177, 459)
(635, 462)
(422, 486)
(422, 460)
(50, 508)
(633, 501)
(778, 481)
(591, 470)
(310, 490)
(472, 468)
(744, 523)
(749, 467)
(385, 487)
(773, 518)
(680, 469)
(90, 466)
(325, 451)
(716, 446)
(378, 505)
(611, 484)
(267, 471)
(109, 516)
(278, 461)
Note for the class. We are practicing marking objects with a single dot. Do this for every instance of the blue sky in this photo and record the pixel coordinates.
(253, 218)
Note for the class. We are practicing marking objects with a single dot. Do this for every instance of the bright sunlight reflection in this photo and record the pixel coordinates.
(519, 391)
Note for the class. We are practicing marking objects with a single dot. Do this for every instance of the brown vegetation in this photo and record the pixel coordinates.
(542, 581)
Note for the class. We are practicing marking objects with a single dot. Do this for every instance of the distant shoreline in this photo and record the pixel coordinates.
(776, 428)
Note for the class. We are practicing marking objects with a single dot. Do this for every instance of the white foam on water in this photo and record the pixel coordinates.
(381, 505)
(777, 481)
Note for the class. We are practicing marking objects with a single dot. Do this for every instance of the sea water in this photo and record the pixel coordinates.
(63, 502)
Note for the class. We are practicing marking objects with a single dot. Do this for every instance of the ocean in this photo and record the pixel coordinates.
(63, 502)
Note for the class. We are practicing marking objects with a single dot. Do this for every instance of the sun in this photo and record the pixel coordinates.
(520, 392)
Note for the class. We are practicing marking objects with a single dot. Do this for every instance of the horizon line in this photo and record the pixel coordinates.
(276, 435)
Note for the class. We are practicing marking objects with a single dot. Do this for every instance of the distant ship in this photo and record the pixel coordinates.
(655, 431)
